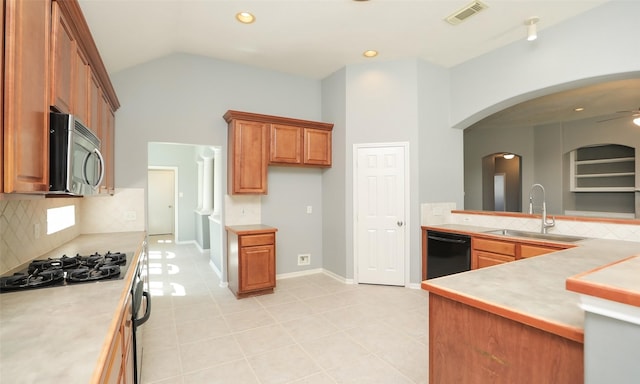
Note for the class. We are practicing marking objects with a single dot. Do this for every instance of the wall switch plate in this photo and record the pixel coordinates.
(36, 230)
(304, 259)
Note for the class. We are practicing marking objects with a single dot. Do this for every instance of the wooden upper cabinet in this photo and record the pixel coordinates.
(26, 95)
(286, 144)
(81, 87)
(107, 138)
(95, 102)
(248, 153)
(256, 141)
(1, 105)
(63, 50)
(317, 147)
(291, 145)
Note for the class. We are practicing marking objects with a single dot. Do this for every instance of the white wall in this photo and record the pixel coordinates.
(600, 42)
(181, 98)
(334, 180)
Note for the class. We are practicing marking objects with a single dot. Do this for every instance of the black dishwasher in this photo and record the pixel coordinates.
(447, 253)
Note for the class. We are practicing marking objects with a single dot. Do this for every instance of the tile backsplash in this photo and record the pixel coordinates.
(23, 222)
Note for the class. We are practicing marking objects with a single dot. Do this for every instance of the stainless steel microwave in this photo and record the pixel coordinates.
(76, 166)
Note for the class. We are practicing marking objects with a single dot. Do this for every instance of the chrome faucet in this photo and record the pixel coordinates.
(545, 223)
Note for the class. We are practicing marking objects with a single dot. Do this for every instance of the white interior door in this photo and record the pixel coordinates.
(380, 215)
(161, 201)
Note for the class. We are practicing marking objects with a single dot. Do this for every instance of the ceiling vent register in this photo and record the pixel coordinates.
(466, 12)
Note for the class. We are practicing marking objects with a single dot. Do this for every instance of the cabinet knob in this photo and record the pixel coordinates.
(400, 223)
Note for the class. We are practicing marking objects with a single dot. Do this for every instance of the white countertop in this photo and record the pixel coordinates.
(56, 335)
(532, 290)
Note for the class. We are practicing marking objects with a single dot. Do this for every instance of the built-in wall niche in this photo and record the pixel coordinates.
(602, 181)
(603, 168)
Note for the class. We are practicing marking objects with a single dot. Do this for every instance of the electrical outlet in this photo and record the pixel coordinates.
(130, 215)
(309, 209)
(304, 259)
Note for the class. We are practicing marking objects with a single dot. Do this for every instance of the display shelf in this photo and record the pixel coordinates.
(605, 168)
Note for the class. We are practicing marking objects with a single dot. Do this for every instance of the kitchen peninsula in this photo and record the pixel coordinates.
(514, 322)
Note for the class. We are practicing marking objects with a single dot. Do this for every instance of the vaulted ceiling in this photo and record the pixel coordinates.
(314, 38)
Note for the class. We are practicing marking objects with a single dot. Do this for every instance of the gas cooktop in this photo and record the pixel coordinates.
(67, 270)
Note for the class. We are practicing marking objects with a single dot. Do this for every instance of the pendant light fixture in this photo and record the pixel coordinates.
(532, 29)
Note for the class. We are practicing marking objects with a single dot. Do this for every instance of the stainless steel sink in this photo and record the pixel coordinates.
(536, 235)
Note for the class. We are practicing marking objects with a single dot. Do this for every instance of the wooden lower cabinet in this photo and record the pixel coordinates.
(119, 367)
(487, 259)
(530, 250)
(468, 345)
(487, 252)
(251, 259)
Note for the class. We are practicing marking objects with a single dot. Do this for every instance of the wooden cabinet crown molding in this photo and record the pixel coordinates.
(71, 9)
(238, 115)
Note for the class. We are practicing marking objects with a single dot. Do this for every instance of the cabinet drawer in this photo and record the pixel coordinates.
(495, 246)
(527, 250)
(487, 259)
(259, 239)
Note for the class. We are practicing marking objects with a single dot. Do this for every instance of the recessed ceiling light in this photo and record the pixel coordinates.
(245, 17)
(579, 109)
(370, 53)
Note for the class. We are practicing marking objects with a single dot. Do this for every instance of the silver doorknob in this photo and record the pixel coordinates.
(400, 223)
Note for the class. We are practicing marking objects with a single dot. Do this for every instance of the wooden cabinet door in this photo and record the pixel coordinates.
(113, 370)
(106, 135)
(257, 268)
(95, 102)
(81, 87)
(2, 104)
(317, 147)
(26, 95)
(248, 157)
(63, 60)
(487, 259)
(286, 144)
(127, 374)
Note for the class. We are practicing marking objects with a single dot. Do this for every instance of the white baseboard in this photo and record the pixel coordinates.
(326, 272)
(215, 269)
(298, 274)
(223, 284)
(341, 279)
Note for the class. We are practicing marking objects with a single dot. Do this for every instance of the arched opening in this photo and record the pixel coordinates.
(502, 182)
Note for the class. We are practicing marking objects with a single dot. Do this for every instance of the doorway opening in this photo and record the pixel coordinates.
(162, 200)
(502, 182)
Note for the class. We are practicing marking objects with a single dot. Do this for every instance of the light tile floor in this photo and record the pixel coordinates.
(313, 329)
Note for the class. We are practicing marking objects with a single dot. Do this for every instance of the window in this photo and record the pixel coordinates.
(60, 218)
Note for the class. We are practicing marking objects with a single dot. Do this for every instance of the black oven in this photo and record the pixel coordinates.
(141, 309)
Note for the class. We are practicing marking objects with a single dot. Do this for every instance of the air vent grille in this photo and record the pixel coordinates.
(466, 12)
